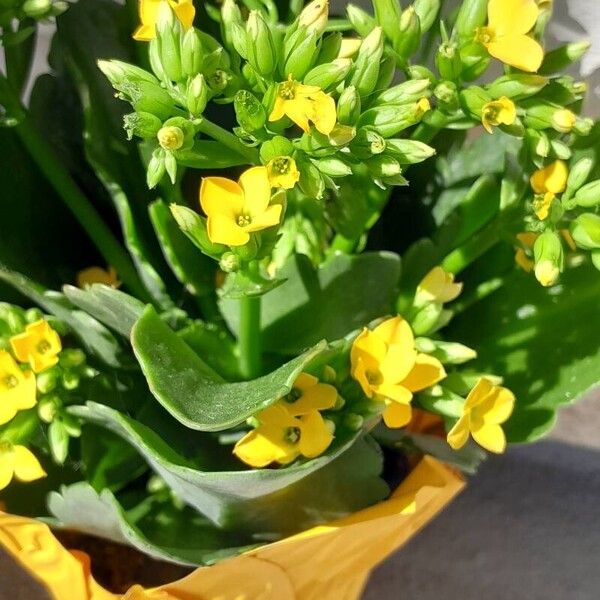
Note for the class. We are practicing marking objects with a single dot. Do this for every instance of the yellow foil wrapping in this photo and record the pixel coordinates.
(329, 562)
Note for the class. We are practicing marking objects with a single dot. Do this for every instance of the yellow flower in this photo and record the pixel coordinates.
(281, 437)
(487, 406)
(564, 120)
(505, 37)
(39, 345)
(149, 9)
(283, 172)
(547, 273)
(17, 388)
(310, 394)
(542, 204)
(93, 275)
(388, 367)
(552, 178)
(304, 103)
(421, 107)
(235, 210)
(499, 112)
(437, 286)
(19, 462)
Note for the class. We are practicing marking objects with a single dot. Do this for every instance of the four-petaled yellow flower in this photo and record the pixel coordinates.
(39, 346)
(304, 103)
(283, 172)
(292, 427)
(437, 286)
(487, 406)
(149, 10)
(505, 37)
(498, 112)
(388, 367)
(19, 462)
(93, 275)
(547, 183)
(17, 388)
(235, 210)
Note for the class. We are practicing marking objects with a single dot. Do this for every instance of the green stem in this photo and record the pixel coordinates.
(249, 339)
(60, 179)
(228, 139)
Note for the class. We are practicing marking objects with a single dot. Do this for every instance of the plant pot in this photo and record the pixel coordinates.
(329, 562)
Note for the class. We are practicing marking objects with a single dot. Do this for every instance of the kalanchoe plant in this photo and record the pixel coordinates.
(317, 265)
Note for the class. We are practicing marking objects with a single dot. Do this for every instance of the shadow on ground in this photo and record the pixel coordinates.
(526, 528)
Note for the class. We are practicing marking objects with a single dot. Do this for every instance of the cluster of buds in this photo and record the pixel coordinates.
(22, 10)
(57, 375)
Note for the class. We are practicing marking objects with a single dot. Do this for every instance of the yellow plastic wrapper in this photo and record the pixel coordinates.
(329, 562)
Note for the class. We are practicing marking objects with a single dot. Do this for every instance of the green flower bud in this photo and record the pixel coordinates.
(239, 39)
(426, 318)
(409, 38)
(231, 19)
(579, 173)
(119, 72)
(560, 59)
(427, 11)
(367, 143)
(447, 94)
(47, 381)
(15, 319)
(229, 263)
(539, 114)
(260, 50)
(409, 152)
(197, 95)
(333, 166)
(168, 38)
(248, 251)
(47, 408)
(538, 142)
(475, 60)
(58, 440)
(349, 106)
(218, 80)
(449, 353)
(387, 73)
(250, 113)
(171, 138)
(331, 46)
(72, 358)
(404, 93)
(585, 231)
(390, 120)
(361, 21)
(192, 53)
(314, 16)
(384, 166)
(70, 380)
(278, 146)
(144, 125)
(473, 99)
(588, 196)
(366, 70)
(420, 72)
(328, 76)
(311, 181)
(194, 227)
(33, 314)
(156, 168)
(171, 166)
(387, 15)
(472, 14)
(300, 50)
(448, 62)
(516, 86)
(149, 97)
(71, 424)
(549, 258)
(353, 422)
(36, 9)
(583, 126)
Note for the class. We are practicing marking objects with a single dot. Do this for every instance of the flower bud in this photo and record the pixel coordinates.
(328, 76)
(36, 9)
(472, 14)
(583, 126)
(300, 51)
(447, 94)
(33, 314)
(333, 166)
(427, 11)
(390, 120)
(579, 173)
(70, 380)
(588, 196)
(314, 16)
(149, 97)
(446, 352)
(361, 21)
(409, 152)
(349, 47)
(197, 95)
(448, 62)
(239, 39)
(229, 263)
(367, 143)
(366, 69)
(48, 407)
(516, 86)
(47, 381)
(404, 93)
(170, 138)
(194, 227)
(260, 47)
(563, 120)
(348, 106)
(384, 166)
(473, 99)
(427, 318)
(421, 72)
(585, 231)
(168, 38)
(192, 53)
(250, 113)
(119, 72)
(387, 15)
(311, 181)
(144, 125)
(231, 18)
(538, 142)
(330, 48)
(409, 37)
(72, 358)
(558, 60)
(353, 422)
(156, 168)
(549, 258)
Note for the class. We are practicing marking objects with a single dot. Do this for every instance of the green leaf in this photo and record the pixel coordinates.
(113, 308)
(544, 342)
(303, 494)
(195, 394)
(343, 294)
(81, 508)
(94, 337)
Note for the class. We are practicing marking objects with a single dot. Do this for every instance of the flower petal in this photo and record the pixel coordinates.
(359, 373)
(370, 348)
(490, 437)
(512, 16)
(299, 110)
(398, 363)
(397, 415)
(219, 195)
(318, 397)
(263, 446)
(323, 113)
(257, 191)
(222, 229)
(396, 331)
(426, 372)
(315, 436)
(477, 395)
(496, 408)
(520, 51)
(24, 395)
(26, 465)
(395, 392)
(185, 12)
(277, 415)
(278, 111)
(269, 218)
(457, 437)
(7, 464)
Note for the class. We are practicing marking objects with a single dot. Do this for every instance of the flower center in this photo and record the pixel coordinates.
(485, 35)
(292, 435)
(171, 138)
(491, 113)
(43, 347)
(244, 220)
(281, 165)
(294, 394)
(374, 377)
(10, 381)
(287, 90)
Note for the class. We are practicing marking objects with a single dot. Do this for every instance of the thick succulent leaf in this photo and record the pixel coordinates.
(195, 394)
(94, 337)
(113, 308)
(544, 342)
(341, 481)
(81, 508)
(344, 293)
